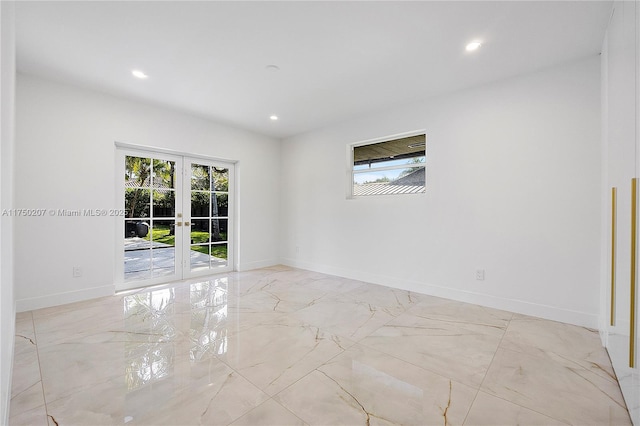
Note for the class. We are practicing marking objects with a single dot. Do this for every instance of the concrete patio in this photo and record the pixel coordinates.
(145, 259)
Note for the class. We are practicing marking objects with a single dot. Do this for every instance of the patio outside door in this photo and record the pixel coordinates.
(177, 222)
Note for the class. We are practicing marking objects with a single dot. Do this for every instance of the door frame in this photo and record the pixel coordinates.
(124, 149)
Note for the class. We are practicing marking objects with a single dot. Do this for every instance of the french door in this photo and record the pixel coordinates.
(177, 218)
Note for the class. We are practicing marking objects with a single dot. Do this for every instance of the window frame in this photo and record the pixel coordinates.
(351, 171)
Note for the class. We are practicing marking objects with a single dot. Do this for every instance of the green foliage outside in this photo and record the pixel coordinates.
(209, 178)
(160, 234)
(158, 175)
(219, 251)
(144, 174)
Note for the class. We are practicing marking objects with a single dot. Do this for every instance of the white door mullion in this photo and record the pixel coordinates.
(186, 209)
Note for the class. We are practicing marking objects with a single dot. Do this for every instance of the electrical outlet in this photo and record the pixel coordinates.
(480, 274)
(77, 271)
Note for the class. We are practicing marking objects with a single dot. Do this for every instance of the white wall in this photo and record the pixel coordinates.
(513, 187)
(64, 159)
(7, 299)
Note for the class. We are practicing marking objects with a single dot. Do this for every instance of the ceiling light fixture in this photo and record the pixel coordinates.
(474, 45)
(274, 118)
(139, 74)
(272, 68)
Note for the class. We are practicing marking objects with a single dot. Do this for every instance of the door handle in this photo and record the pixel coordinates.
(178, 223)
(634, 282)
(186, 224)
(612, 309)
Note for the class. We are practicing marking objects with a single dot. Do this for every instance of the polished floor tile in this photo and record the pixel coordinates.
(27, 400)
(459, 351)
(269, 413)
(277, 354)
(283, 346)
(364, 386)
(556, 385)
(488, 410)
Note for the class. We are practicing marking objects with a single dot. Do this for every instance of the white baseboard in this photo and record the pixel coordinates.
(519, 306)
(56, 299)
(553, 313)
(247, 266)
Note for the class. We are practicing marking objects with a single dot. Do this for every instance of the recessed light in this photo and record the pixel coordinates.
(139, 74)
(273, 118)
(272, 68)
(474, 45)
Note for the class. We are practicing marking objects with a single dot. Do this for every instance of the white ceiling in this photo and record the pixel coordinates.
(337, 59)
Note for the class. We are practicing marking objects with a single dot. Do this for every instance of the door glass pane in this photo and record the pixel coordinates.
(137, 231)
(199, 204)
(164, 202)
(219, 229)
(163, 252)
(137, 202)
(136, 172)
(199, 244)
(219, 255)
(199, 231)
(164, 174)
(137, 264)
(200, 177)
(137, 250)
(220, 179)
(219, 205)
(199, 255)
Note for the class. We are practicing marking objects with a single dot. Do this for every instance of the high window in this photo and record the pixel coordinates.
(389, 166)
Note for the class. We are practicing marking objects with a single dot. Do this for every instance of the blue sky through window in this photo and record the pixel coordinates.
(369, 173)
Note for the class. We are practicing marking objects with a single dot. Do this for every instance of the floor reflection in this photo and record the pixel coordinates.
(209, 310)
(150, 316)
(153, 318)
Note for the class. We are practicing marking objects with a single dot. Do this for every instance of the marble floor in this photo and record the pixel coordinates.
(282, 346)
